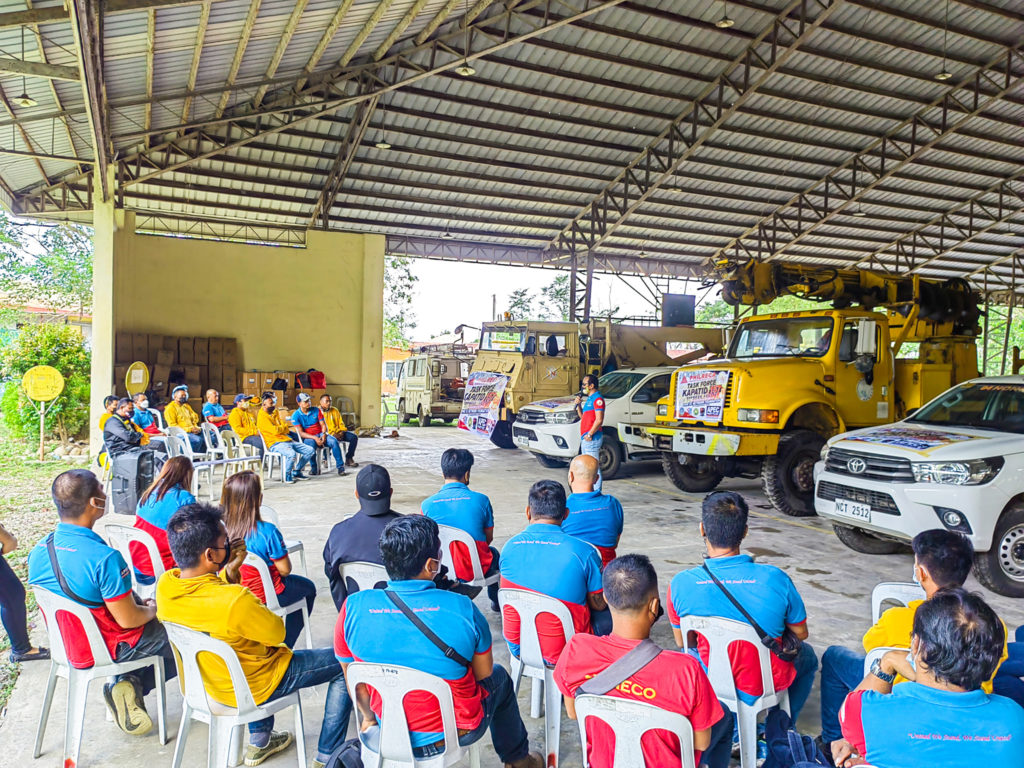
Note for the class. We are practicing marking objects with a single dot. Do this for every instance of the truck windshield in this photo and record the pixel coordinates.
(618, 383)
(503, 339)
(981, 406)
(802, 336)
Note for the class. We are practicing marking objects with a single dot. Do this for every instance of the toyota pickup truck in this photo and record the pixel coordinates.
(550, 429)
(956, 463)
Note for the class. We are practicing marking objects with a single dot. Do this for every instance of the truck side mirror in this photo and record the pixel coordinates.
(643, 396)
(435, 368)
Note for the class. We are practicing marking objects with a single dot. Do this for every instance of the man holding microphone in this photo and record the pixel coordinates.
(591, 411)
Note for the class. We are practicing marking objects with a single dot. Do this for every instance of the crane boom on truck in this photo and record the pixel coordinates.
(791, 380)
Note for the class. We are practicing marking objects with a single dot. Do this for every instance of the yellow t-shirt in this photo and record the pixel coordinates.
(242, 423)
(273, 428)
(231, 613)
(333, 420)
(894, 629)
(181, 416)
(104, 419)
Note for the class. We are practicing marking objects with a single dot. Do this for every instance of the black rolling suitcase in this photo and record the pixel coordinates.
(132, 473)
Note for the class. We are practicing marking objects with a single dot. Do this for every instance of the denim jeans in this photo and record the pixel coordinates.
(1008, 681)
(806, 665)
(295, 588)
(153, 642)
(492, 589)
(296, 455)
(719, 751)
(501, 716)
(842, 670)
(332, 445)
(309, 668)
(255, 442)
(352, 440)
(196, 441)
(601, 622)
(12, 608)
(592, 447)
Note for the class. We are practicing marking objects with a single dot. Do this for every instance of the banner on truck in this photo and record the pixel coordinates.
(700, 394)
(481, 402)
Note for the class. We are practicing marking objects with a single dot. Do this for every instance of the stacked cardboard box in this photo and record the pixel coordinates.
(198, 362)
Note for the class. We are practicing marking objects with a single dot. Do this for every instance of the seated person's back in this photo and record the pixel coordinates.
(594, 517)
(167, 494)
(545, 559)
(941, 717)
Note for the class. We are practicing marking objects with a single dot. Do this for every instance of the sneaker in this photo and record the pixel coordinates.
(300, 475)
(317, 764)
(532, 760)
(124, 699)
(762, 752)
(279, 740)
(495, 607)
(465, 589)
(351, 463)
(289, 478)
(342, 472)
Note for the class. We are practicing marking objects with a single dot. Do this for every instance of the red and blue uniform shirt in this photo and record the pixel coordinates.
(597, 519)
(545, 559)
(265, 541)
(916, 725)
(310, 423)
(144, 420)
(766, 593)
(214, 413)
(371, 628)
(593, 404)
(456, 505)
(95, 572)
(153, 518)
(674, 682)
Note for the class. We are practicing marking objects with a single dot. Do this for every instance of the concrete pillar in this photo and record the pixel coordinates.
(373, 334)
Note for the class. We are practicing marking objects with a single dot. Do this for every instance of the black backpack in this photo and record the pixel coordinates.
(347, 755)
(786, 747)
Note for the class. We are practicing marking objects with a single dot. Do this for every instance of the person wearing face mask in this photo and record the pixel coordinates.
(673, 681)
(243, 424)
(75, 562)
(942, 560)
(179, 413)
(144, 420)
(120, 433)
(275, 431)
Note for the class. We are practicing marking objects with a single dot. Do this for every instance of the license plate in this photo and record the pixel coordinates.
(522, 442)
(853, 509)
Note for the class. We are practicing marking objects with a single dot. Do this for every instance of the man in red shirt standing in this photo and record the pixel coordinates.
(591, 413)
(673, 681)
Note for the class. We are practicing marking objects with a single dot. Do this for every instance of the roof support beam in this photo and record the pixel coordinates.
(59, 13)
(38, 69)
(660, 159)
(150, 53)
(282, 45)
(197, 51)
(236, 61)
(87, 27)
(844, 185)
(325, 40)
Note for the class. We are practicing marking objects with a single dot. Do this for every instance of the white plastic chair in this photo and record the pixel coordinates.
(222, 719)
(270, 458)
(189, 451)
(394, 683)
(902, 592)
(199, 467)
(721, 634)
(238, 450)
(173, 445)
(291, 545)
(215, 447)
(78, 680)
(347, 409)
(159, 417)
(629, 721)
(120, 535)
(365, 575)
(273, 603)
(451, 535)
(529, 605)
(878, 653)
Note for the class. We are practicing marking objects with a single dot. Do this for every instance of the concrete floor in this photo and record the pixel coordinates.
(660, 522)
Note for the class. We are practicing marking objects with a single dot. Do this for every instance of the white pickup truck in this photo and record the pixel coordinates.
(957, 463)
(550, 428)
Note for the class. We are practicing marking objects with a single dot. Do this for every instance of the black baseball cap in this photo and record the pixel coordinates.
(373, 484)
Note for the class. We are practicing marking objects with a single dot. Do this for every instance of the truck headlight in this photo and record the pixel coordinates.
(663, 410)
(972, 472)
(758, 415)
(562, 417)
(824, 452)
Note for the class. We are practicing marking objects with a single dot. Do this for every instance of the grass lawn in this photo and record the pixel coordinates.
(26, 510)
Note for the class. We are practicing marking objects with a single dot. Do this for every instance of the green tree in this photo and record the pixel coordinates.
(719, 313)
(53, 269)
(399, 288)
(520, 304)
(554, 299)
(63, 347)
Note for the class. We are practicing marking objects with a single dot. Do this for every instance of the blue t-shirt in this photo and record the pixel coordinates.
(371, 628)
(216, 410)
(266, 541)
(457, 506)
(594, 517)
(307, 420)
(142, 419)
(593, 404)
(916, 725)
(158, 513)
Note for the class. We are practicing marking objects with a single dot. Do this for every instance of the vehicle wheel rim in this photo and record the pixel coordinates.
(605, 459)
(803, 474)
(1011, 553)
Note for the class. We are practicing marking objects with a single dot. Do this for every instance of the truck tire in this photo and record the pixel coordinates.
(502, 435)
(610, 457)
(788, 476)
(693, 478)
(406, 417)
(862, 541)
(550, 461)
(1001, 569)
(422, 418)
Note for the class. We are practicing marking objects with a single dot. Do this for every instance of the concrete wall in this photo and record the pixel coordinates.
(290, 308)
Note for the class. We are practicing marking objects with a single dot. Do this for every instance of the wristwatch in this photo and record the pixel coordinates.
(876, 670)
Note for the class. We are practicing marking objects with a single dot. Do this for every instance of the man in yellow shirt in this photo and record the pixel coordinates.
(336, 428)
(941, 559)
(275, 432)
(109, 406)
(243, 424)
(194, 596)
(178, 413)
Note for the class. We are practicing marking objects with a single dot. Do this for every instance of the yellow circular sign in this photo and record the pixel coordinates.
(136, 379)
(42, 383)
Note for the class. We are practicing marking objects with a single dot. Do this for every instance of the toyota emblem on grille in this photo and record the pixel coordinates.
(856, 466)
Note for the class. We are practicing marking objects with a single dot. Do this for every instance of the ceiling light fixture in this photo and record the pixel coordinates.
(23, 99)
(465, 69)
(859, 213)
(382, 144)
(725, 22)
(447, 235)
(945, 74)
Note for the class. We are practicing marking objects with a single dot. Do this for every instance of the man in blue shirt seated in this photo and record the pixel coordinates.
(309, 423)
(941, 716)
(459, 507)
(145, 421)
(213, 411)
(594, 517)
(374, 626)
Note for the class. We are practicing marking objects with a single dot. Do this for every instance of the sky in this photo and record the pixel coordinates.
(449, 293)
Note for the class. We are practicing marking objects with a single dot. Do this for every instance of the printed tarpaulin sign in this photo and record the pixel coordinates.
(481, 402)
(920, 440)
(700, 394)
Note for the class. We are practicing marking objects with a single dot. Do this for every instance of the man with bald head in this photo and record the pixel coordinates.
(594, 517)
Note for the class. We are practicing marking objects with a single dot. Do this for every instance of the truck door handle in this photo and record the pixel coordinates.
(827, 389)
